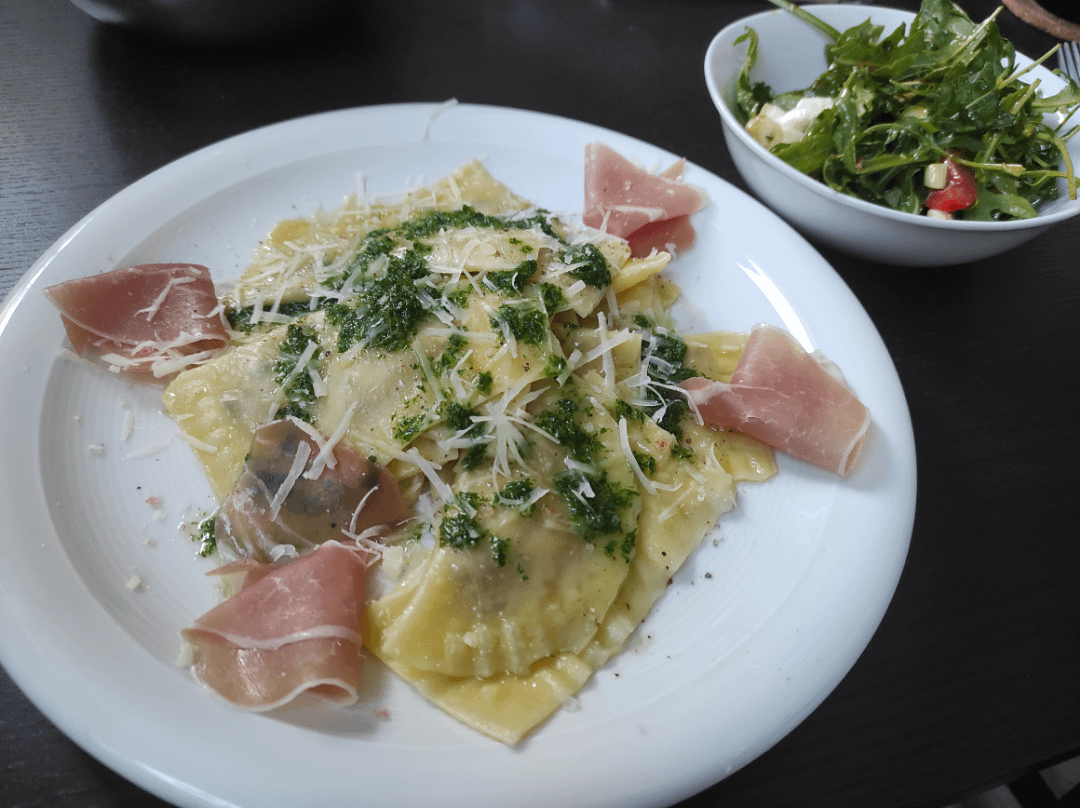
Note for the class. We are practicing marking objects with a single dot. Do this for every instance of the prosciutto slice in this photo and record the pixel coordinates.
(290, 629)
(143, 318)
(672, 235)
(622, 198)
(296, 492)
(788, 399)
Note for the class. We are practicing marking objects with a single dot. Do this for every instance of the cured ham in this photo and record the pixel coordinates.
(297, 491)
(154, 318)
(296, 626)
(671, 235)
(290, 629)
(623, 199)
(787, 398)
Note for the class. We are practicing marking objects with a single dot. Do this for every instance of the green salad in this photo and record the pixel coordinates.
(933, 117)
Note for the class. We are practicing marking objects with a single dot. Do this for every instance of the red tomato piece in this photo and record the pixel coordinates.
(960, 191)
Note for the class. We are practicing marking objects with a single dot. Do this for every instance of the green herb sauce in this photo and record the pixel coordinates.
(561, 425)
(474, 456)
(600, 514)
(552, 297)
(625, 546)
(459, 417)
(663, 353)
(594, 268)
(499, 548)
(455, 349)
(514, 495)
(300, 391)
(206, 537)
(680, 452)
(408, 428)
(511, 281)
(240, 319)
(646, 462)
(460, 531)
(524, 321)
(554, 367)
(387, 310)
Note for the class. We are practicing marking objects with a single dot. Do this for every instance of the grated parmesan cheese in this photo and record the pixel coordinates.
(149, 451)
(280, 551)
(435, 113)
(298, 368)
(653, 214)
(127, 428)
(360, 507)
(431, 471)
(299, 462)
(196, 443)
(624, 443)
(325, 455)
(425, 368)
(152, 310)
(608, 360)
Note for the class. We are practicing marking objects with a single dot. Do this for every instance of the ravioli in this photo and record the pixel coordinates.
(518, 373)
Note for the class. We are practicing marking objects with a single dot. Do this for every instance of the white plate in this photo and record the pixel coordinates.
(754, 632)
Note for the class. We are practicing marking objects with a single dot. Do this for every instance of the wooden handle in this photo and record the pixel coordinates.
(1034, 14)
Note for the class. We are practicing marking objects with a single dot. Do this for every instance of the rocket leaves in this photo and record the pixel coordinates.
(942, 86)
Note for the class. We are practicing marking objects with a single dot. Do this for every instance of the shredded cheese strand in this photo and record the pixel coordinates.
(624, 442)
(430, 470)
(152, 310)
(324, 457)
(303, 452)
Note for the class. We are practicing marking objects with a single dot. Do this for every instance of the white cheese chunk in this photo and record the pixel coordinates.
(774, 125)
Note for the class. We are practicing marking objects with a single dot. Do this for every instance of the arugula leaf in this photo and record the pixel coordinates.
(991, 204)
(749, 95)
(1068, 96)
(809, 154)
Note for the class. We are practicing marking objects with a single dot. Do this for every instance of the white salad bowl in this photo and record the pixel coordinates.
(790, 56)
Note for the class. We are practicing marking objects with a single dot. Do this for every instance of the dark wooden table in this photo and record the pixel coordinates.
(974, 674)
